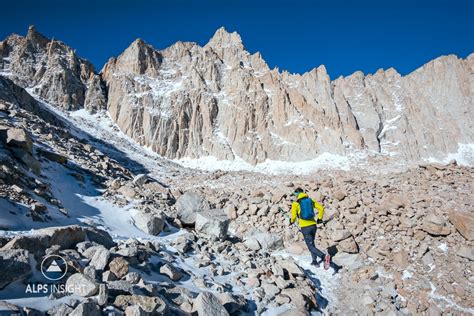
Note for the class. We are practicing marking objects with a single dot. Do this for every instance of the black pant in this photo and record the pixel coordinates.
(309, 233)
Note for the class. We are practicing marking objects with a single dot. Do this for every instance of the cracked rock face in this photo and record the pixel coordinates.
(219, 100)
(51, 70)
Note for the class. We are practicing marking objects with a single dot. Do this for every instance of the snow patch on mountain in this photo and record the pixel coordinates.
(325, 161)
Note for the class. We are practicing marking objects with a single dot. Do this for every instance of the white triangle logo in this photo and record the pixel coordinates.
(54, 267)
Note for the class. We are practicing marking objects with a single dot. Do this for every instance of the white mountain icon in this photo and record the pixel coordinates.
(54, 267)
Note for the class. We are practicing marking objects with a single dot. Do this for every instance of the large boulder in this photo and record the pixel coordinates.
(464, 223)
(188, 205)
(17, 137)
(14, 265)
(67, 237)
(264, 241)
(348, 245)
(171, 272)
(153, 305)
(435, 225)
(232, 303)
(148, 221)
(81, 285)
(99, 256)
(340, 234)
(100, 237)
(207, 304)
(213, 223)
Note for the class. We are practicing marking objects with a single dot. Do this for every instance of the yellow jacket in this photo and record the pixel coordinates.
(295, 212)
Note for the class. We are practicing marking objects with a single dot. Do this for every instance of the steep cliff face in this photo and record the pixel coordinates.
(220, 100)
(52, 71)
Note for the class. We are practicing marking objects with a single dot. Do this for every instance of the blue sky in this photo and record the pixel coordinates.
(297, 36)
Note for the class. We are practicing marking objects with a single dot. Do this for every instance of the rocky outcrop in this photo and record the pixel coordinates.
(51, 70)
(220, 100)
(188, 205)
(15, 265)
(213, 223)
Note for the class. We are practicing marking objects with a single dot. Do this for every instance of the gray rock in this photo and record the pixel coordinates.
(155, 305)
(265, 241)
(66, 237)
(120, 287)
(348, 260)
(140, 179)
(171, 272)
(119, 267)
(88, 308)
(340, 234)
(19, 138)
(60, 310)
(81, 285)
(188, 205)
(207, 304)
(135, 310)
(213, 223)
(127, 191)
(271, 290)
(148, 221)
(133, 277)
(178, 295)
(100, 258)
(290, 266)
(231, 302)
(108, 276)
(90, 272)
(103, 296)
(15, 265)
(100, 237)
(466, 252)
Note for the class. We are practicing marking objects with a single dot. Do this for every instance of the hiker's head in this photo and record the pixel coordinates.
(297, 192)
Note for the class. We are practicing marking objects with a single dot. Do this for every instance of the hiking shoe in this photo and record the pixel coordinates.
(327, 261)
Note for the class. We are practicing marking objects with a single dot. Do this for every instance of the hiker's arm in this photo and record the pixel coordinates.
(294, 210)
(320, 209)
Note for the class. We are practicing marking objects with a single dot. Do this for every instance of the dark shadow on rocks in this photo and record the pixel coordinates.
(321, 300)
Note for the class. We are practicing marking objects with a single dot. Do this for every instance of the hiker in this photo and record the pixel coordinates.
(303, 209)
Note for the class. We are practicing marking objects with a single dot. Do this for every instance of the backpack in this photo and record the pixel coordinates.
(306, 208)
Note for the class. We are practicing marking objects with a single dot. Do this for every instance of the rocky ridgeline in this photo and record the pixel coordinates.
(220, 100)
(52, 70)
